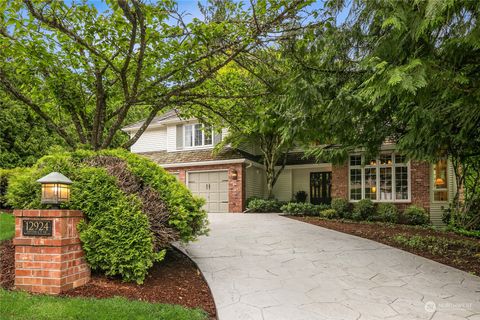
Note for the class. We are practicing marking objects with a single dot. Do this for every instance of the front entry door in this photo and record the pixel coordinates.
(320, 187)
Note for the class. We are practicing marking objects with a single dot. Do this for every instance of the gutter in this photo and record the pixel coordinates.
(210, 163)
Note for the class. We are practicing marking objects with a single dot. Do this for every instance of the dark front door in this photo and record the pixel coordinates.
(320, 187)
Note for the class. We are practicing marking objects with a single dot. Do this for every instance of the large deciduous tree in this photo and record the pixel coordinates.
(85, 73)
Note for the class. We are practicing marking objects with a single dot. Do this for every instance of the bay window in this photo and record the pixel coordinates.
(197, 135)
(385, 178)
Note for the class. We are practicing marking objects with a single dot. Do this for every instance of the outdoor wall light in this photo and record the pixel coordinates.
(234, 174)
(55, 188)
(374, 189)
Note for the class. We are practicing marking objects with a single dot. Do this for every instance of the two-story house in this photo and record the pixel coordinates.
(226, 179)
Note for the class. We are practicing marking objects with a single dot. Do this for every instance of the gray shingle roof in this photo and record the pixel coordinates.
(157, 120)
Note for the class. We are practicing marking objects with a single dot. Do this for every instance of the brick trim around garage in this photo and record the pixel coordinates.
(236, 187)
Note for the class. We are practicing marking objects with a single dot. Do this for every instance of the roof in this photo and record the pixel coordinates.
(55, 177)
(181, 156)
(173, 113)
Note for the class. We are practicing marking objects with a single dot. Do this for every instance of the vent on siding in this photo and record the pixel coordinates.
(179, 136)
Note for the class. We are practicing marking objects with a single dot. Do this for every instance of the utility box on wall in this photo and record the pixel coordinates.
(48, 253)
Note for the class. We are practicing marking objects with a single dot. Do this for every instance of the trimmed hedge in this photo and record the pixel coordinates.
(258, 205)
(116, 190)
(301, 208)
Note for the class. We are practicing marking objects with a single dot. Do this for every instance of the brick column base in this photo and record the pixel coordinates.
(50, 264)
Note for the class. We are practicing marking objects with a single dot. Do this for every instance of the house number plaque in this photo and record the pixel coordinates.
(37, 227)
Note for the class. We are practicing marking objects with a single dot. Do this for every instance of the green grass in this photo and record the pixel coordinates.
(7, 226)
(23, 306)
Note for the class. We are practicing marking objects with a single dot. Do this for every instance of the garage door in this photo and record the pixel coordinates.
(213, 186)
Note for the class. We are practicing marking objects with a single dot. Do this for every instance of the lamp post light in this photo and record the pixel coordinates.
(55, 188)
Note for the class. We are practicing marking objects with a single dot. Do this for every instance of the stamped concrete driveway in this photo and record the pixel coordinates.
(263, 266)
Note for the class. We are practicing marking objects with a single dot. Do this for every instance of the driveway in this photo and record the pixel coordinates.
(263, 266)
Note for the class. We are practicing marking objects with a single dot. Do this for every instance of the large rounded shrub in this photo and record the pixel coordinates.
(416, 216)
(134, 208)
(363, 209)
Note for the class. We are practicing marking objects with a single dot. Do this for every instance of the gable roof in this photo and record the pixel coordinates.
(158, 120)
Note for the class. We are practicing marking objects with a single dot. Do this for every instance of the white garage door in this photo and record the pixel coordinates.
(213, 186)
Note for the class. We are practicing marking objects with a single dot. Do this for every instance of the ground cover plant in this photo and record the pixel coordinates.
(20, 305)
(443, 246)
(134, 208)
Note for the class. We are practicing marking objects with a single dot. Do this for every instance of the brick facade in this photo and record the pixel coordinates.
(419, 184)
(236, 187)
(50, 264)
(340, 181)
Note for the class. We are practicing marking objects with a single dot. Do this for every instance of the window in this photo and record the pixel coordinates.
(440, 183)
(385, 178)
(197, 135)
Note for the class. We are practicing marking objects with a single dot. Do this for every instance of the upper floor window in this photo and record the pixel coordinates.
(384, 178)
(440, 182)
(197, 135)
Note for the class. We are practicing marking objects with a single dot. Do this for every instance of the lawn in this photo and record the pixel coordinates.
(7, 226)
(20, 305)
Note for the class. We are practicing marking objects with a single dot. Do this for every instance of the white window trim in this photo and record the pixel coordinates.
(377, 172)
(193, 147)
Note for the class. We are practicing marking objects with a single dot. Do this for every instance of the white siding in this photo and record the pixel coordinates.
(301, 180)
(171, 138)
(255, 184)
(282, 190)
(150, 140)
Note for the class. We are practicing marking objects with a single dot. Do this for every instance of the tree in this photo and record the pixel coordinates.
(85, 73)
(406, 71)
(23, 135)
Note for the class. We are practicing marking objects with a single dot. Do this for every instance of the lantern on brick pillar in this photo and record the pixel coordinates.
(55, 188)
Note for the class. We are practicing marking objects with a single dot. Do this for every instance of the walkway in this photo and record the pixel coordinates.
(267, 267)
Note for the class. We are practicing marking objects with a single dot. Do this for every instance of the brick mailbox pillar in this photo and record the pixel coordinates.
(48, 253)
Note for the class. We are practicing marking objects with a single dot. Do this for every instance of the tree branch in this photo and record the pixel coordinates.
(14, 92)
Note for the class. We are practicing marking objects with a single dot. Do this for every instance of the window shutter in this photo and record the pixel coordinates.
(217, 138)
(179, 136)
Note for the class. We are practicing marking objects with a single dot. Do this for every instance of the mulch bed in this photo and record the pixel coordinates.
(384, 233)
(175, 280)
(7, 264)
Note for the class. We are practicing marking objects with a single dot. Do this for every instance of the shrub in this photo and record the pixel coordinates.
(387, 212)
(264, 205)
(134, 208)
(341, 206)
(250, 199)
(416, 216)
(328, 213)
(308, 209)
(300, 196)
(363, 209)
(5, 175)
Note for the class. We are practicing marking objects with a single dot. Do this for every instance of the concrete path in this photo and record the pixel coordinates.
(267, 267)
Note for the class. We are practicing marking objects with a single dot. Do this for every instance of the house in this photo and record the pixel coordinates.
(184, 148)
